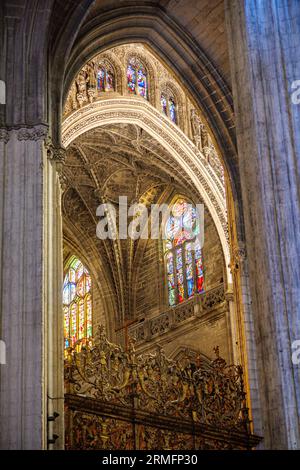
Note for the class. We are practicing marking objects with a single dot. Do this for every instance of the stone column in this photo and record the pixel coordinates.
(31, 381)
(22, 388)
(53, 264)
(264, 53)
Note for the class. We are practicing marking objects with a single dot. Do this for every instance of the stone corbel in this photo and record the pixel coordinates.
(57, 155)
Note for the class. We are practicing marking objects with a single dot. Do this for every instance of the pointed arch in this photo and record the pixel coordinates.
(141, 112)
(77, 304)
(137, 78)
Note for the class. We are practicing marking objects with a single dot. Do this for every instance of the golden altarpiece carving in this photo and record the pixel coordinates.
(117, 399)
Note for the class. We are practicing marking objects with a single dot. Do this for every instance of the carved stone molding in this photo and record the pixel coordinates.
(239, 255)
(56, 154)
(35, 133)
(4, 136)
(139, 111)
(166, 321)
(159, 80)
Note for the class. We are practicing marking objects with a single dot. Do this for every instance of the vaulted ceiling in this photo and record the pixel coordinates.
(204, 20)
(101, 165)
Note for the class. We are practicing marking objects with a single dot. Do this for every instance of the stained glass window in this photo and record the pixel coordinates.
(168, 105)
(183, 253)
(163, 101)
(105, 78)
(77, 304)
(172, 110)
(137, 78)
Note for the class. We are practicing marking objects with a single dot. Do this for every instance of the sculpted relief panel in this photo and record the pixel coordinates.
(111, 74)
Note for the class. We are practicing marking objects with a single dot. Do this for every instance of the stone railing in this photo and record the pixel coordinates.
(176, 316)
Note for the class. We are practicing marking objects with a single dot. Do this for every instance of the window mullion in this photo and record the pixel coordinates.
(184, 271)
(194, 266)
(174, 251)
(77, 318)
(104, 79)
(136, 81)
(168, 108)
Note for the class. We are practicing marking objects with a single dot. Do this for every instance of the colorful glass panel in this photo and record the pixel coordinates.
(73, 323)
(81, 319)
(101, 80)
(171, 279)
(131, 78)
(163, 101)
(89, 316)
(81, 286)
(189, 270)
(109, 81)
(79, 272)
(66, 327)
(172, 110)
(179, 272)
(137, 78)
(142, 82)
(199, 267)
(77, 301)
(71, 275)
(105, 79)
(184, 273)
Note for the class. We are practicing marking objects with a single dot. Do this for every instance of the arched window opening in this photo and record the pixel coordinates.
(77, 304)
(105, 78)
(168, 105)
(183, 253)
(137, 78)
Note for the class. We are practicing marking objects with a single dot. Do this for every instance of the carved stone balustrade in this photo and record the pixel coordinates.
(198, 307)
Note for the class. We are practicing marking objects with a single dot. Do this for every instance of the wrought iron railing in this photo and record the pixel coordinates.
(146, 396)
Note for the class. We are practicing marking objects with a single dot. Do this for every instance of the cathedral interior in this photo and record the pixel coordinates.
(186, 340)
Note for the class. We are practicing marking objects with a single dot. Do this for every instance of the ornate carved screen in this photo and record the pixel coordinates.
(117, 399)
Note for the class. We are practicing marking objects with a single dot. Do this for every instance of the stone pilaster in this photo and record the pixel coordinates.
(263, 44)
(22, 388)
(31, 382)
(53, 264)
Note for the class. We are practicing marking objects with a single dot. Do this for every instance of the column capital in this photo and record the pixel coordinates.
(4, 135)
(55, 153)
(35, 132)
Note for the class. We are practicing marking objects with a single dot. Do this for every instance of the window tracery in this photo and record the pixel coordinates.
(105, 77)
(77, 304)
(169, 105)
(137, 80)
(183, 253)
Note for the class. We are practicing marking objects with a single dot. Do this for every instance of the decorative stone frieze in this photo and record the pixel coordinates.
(35, 133)
(4, 135)
(163, 323)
